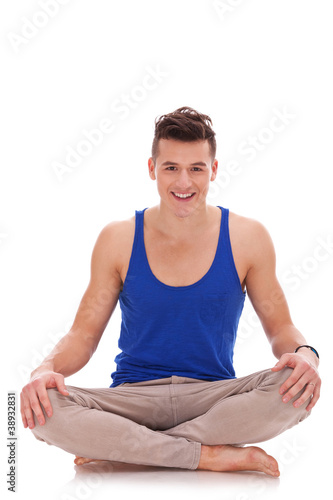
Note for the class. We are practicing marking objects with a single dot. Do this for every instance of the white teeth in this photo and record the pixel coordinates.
(183, 195)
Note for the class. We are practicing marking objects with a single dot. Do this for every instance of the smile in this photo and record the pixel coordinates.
(183, 196)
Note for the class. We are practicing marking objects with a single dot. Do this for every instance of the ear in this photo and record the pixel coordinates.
(151, 169)
(214, 170)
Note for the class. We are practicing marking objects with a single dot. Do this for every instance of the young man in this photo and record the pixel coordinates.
(181, 271)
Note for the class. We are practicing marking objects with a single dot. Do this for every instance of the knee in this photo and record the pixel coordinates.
(287, 410)
(43, 432)
(278, 378)
(271, 383)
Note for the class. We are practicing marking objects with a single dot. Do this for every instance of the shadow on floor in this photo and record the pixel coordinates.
(96, 478)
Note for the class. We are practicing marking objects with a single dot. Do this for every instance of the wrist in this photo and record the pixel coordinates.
(309, 352)
(41, 369)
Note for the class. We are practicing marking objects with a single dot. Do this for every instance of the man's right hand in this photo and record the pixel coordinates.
(75, 349)
(34, 395)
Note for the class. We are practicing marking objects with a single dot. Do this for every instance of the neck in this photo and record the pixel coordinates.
(181, 227)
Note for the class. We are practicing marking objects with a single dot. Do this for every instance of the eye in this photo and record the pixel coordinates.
(170, 168)
(197, 169)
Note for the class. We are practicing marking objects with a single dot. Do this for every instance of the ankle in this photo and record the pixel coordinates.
(204, 457)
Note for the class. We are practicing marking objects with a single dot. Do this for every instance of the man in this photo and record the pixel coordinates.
(181, 271)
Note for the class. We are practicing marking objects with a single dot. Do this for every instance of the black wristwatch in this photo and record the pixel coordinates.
(309, 347)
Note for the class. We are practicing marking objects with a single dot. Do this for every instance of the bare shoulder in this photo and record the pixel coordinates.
(252, 236)
(252, 227)
(116, 232)
(114, 243)
(117, 235)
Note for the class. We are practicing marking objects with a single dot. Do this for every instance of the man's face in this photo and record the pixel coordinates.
(183, 171)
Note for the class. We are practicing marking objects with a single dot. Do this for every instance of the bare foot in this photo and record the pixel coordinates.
(225, 458)
(82, 460)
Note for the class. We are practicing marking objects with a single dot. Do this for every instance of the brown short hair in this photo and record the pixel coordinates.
(187, 125)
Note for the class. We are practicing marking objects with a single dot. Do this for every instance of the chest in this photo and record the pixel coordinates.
(180, 263)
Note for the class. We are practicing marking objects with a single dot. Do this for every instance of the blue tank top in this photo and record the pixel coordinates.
(189, 331)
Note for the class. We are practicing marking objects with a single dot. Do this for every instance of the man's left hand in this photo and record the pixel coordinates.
(304, 375)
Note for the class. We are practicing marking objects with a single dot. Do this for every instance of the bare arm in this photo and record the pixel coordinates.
(75, 349)
(271, 306)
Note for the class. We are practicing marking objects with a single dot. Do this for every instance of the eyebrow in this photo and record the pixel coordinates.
(196, 164)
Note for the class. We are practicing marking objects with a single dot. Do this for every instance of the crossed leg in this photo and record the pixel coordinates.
(226, 458)
(231, 411)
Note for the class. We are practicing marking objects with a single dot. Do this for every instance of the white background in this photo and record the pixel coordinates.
(67, 68)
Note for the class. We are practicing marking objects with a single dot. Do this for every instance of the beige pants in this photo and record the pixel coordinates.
(164, 422)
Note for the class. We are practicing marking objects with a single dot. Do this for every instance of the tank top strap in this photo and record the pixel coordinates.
(224, 220)
(139, 224)
(222, 252)
(225, 255)
(224, 240)
(138, 252)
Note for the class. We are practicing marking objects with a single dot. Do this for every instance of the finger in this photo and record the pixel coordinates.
(300, 370)
(293, 378)
(44, 400)
(300, 385)
(23, 417)
(283, 361)
(35, 407)
(279, 365)
(315, 397)
(307, 393)
(26, 411)
(61, 385)
(305, 384)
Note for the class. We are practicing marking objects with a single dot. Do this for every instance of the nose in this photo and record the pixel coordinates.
(183, 181)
